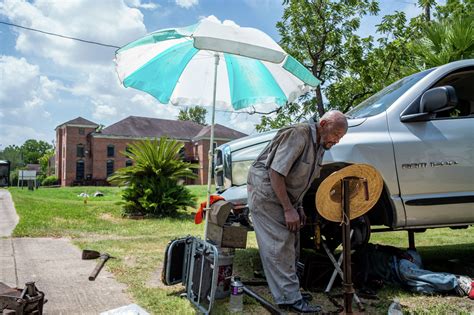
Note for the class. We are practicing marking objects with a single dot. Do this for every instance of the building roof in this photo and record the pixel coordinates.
(33, 167)
(79, 121)
(138, 127)
(220, 132)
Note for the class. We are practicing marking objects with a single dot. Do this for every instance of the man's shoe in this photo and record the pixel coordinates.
(301, 306)
(465, 284)
(307, 296)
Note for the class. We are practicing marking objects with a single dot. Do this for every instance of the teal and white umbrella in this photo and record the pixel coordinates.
(213, 63)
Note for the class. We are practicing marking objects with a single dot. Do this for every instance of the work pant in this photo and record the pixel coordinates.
(278, 247)
(424, 281)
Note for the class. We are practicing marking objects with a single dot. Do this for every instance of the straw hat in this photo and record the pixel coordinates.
(329, 195)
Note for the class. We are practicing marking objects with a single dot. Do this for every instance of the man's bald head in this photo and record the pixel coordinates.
(336, 119)
(332, 127)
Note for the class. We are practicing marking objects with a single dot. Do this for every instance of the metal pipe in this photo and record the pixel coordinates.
(346, 232)
(337, 270)
(267, 305)
(411, 240)
(211, 146)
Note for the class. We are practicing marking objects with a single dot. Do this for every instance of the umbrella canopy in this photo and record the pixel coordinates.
(177, 66)
(213, 63)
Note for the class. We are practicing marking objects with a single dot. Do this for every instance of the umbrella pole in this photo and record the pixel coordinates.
(211, 146)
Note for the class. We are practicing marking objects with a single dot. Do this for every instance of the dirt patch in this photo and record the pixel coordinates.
(110, 218)
(60, 220)
(130, 261)
(155, 280)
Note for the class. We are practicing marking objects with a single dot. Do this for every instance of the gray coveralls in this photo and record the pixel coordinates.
(295, 154)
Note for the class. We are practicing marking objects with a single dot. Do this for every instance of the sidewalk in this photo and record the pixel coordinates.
(56, 267)
(8, 217)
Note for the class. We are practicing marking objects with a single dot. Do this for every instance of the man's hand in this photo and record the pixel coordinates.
(292, 219)
(302, 216)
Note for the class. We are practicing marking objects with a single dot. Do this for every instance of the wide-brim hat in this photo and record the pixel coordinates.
(329, 199)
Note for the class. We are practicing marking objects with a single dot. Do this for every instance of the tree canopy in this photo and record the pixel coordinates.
(322, 35)
(29, 152)
(196, 114)
(32, 150)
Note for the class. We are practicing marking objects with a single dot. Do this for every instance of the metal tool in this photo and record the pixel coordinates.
(29, 300)
(267, 305)
(88, 254)
(338, 270)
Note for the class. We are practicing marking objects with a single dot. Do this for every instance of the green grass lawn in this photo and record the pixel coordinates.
(139, 246)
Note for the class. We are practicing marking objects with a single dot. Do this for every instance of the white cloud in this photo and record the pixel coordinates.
(139, 4)
(214, 19)
(22, 84)
(24, 96)
(103, 111)
(109, 22)
(187, 3)
(211, 18)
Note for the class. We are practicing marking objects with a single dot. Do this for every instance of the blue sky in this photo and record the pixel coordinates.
(45, 80)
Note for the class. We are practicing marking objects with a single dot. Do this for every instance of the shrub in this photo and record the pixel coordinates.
(14, 178)
(50, 180)
(151, 183)
(40, 178)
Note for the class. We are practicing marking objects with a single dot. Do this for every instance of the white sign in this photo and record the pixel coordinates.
(26, 175)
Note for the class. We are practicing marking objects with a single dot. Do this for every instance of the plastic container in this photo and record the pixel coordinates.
(225, 265)
(395, 308)
(236, 303)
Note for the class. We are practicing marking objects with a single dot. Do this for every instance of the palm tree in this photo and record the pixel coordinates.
(446, 41)
(152, 182)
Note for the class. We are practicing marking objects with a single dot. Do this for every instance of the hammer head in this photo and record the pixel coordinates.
(93, 254)
(90, 254)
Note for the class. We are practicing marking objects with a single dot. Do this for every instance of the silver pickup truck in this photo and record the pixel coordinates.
(417, 132)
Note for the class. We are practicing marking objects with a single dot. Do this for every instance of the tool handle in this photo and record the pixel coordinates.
(98, 268)
(267, 305)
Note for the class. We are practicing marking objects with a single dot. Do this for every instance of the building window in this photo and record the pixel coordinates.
(181, 153)
(81, 131)
(110, 150)
(110, 167)
(80, 150)
(79, 170)
(128, 163)
(127, 149)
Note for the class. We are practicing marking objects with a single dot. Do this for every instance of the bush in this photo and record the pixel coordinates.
(14, 178)
(40, 178)
(50, 180)
(151, 183)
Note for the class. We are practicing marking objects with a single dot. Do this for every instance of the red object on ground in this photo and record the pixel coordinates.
(200, 213)
(471, 294)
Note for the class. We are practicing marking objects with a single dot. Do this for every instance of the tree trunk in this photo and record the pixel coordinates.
(427, 12)
(319, 101)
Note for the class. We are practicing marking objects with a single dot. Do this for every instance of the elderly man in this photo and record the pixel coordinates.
(277, 182)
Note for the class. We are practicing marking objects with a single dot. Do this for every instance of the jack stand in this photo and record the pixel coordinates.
(346, 238)
(338, 270)
(411, 240)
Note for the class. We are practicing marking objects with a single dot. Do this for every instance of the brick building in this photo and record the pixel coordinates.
(87, 155)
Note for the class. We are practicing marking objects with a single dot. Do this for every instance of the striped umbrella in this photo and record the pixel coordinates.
(213, 63)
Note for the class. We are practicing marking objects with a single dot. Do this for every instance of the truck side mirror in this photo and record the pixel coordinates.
(438, 99)
(433, 101)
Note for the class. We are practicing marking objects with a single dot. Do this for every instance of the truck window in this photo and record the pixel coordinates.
(382, 100)
(463, 82)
